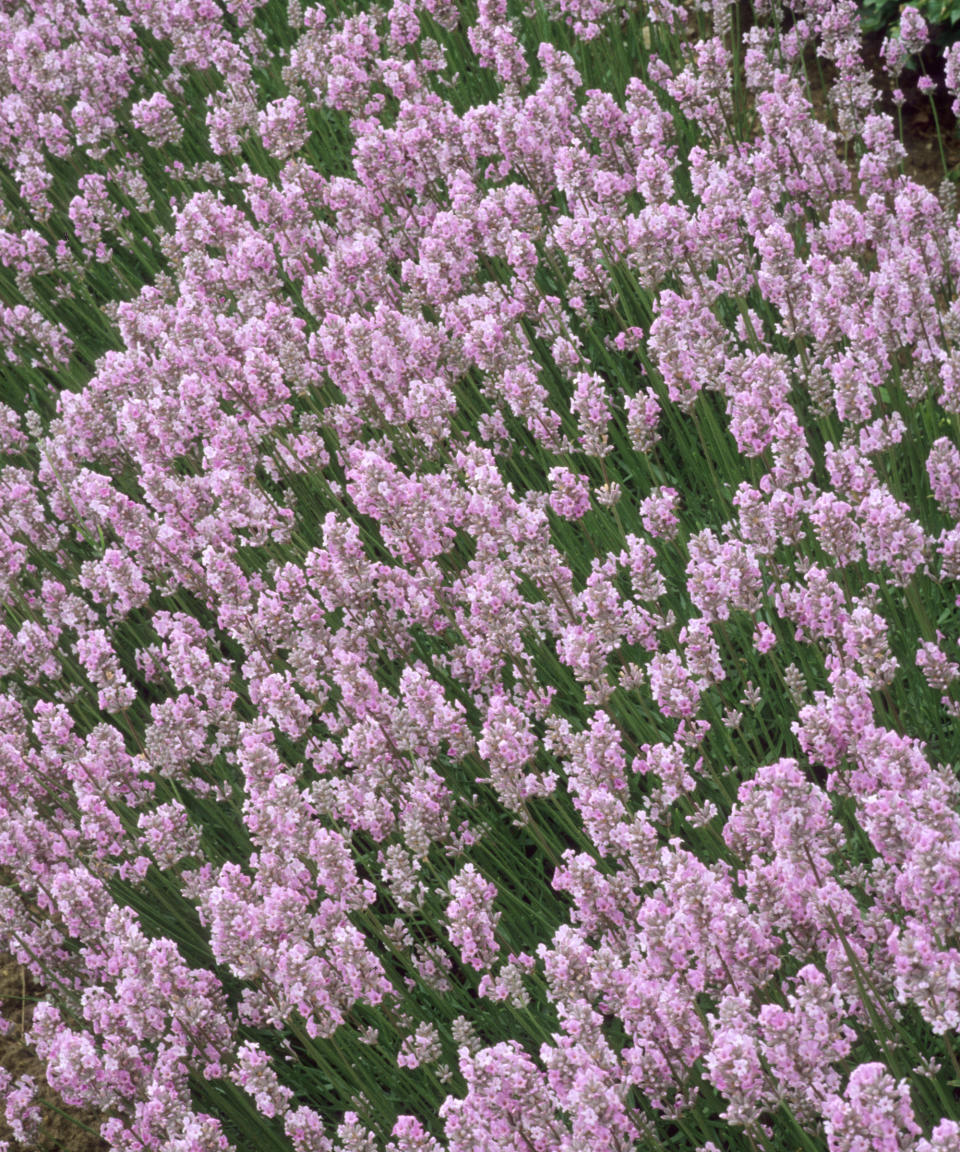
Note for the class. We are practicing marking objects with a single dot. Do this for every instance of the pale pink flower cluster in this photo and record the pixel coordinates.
(479, 576)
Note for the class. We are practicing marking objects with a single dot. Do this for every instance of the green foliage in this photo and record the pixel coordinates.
(943, 16)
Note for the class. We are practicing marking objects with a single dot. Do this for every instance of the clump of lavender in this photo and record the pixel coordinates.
(478, 518)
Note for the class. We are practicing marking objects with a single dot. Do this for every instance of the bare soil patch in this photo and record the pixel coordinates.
(60, 1128)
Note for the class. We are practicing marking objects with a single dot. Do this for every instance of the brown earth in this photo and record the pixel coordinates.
(62, 1128)
(920, 115)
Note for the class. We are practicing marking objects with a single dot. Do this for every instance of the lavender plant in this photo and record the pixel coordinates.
(479, 530)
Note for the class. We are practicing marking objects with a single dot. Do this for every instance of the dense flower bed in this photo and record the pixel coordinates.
(479, 548)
